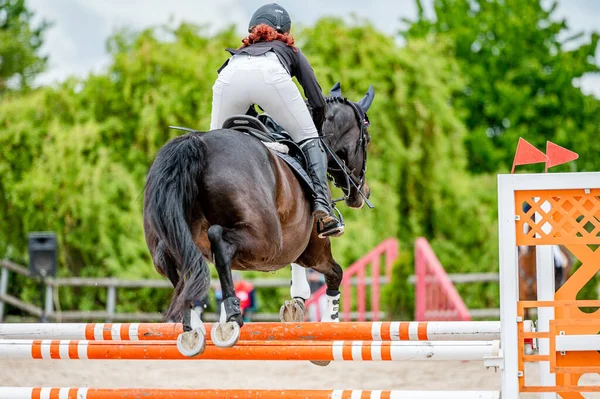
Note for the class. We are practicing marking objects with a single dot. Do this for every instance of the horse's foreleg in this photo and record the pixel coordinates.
(225, 333)
(299, 287)
(333, 278)
(318, 257)
(294, 310)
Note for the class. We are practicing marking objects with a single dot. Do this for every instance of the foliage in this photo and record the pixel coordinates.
(521, 78)
(416, 159)
(20, 44)
(75, 156)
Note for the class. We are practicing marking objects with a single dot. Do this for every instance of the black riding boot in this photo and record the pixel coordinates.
(328, 224)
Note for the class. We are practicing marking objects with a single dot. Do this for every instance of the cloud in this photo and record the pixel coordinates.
(385, 15)
(139, 14)
(590, 84)
(76, 42)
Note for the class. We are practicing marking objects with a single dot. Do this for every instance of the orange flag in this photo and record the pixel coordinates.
(527, 154)
(558, 155)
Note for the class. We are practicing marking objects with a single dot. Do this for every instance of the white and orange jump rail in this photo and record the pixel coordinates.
(312, 331)
(566, 343)
(87, 393)
(251, 350)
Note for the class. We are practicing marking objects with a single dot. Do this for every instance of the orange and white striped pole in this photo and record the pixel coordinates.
(88, 393)
(364, 331)
(251, 350)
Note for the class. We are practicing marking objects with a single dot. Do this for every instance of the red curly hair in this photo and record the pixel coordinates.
(266, 33)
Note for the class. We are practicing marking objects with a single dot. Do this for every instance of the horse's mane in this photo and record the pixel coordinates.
(360, 115)
(337, 99)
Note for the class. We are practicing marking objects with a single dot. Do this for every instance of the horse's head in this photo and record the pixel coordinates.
(345, 131)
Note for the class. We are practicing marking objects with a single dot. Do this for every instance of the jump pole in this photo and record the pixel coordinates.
(364, 331)
(251, 350)
(88, 393)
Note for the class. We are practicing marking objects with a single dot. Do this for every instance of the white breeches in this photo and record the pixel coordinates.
(261, 80)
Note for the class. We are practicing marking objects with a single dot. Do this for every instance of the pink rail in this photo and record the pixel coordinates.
(436, 297)
(372, 260)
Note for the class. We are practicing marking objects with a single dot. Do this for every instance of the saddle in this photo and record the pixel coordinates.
(267, 130)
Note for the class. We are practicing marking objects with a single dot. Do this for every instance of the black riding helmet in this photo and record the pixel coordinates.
(273, 15)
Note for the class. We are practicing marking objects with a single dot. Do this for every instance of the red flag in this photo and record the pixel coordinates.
(527, 154)
(558, 155)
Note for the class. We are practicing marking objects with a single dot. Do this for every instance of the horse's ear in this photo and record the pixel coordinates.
(367, 100)
(336, 90)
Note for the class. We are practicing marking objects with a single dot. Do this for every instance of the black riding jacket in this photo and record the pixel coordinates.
(296, 64)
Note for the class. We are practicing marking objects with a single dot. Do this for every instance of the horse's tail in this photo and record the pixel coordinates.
(171, 192)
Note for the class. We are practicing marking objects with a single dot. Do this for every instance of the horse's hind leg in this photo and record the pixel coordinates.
(191, 342)
(166, 266)
(227, 331)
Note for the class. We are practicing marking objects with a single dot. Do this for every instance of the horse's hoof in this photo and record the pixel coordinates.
(321, 363)
(225, 335)
(191, 343)
(292, 311)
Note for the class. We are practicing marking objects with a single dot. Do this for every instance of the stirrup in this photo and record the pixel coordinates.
(329, 227)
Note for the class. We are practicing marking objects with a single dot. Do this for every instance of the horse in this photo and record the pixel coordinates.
(527, 271)
(223, 197)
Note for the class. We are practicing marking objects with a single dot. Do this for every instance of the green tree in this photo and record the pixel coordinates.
(416, 158)
(76, 156)
(519, 78)
(20, 43)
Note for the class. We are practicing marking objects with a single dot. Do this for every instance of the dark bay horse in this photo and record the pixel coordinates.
(222, 196)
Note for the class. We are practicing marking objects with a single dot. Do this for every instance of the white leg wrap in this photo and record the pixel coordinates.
(332, 309)
(223, 315)
(196, 321)
(198, 310)
(299, 287)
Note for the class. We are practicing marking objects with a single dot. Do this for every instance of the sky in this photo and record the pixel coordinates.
(76, 42)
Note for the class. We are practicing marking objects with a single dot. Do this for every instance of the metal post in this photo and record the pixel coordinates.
(42, 285)
(111, 302)
(3, 290)
(509, 282)
(49, 301)
(545, 292)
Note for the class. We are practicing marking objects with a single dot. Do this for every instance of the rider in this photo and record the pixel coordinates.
(260, 72)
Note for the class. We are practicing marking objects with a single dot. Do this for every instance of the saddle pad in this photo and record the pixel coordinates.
(277, 147)
(298, 171)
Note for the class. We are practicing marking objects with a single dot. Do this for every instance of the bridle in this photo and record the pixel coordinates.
(358, 181)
